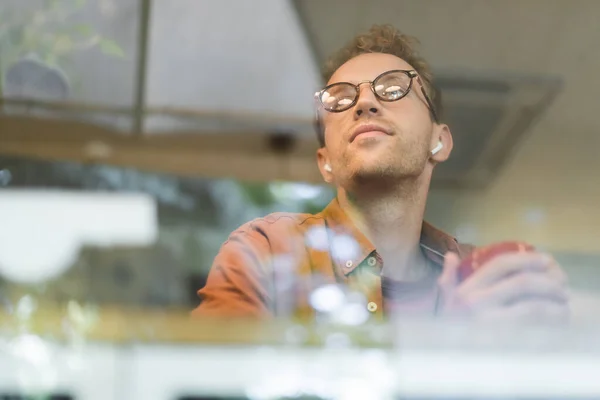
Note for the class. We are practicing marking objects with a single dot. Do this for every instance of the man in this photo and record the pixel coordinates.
(381, 137)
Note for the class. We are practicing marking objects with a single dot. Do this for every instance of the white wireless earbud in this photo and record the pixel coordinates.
(327, 168)
(437, 148)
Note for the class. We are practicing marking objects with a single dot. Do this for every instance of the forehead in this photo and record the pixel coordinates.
(367, 67)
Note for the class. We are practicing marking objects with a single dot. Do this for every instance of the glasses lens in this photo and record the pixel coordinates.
(392, 86)
(338, 97)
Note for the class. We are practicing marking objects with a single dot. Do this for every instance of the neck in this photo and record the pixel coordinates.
(392, 220)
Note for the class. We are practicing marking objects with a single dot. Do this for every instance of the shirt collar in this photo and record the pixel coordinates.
(349, 247)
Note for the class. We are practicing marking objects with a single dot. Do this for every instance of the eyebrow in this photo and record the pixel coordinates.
(372, 79)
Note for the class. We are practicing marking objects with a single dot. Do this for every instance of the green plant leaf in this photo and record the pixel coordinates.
(52, 5)
(51, 59)
(80, 3)
(111, 48)
(82, 29)
(15, 35)
(63, 44)
(258, 194)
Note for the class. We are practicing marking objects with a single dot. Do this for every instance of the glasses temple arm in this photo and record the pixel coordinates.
(428, 100)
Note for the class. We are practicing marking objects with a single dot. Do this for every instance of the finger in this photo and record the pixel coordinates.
(505, 265)
(529, 311)
(557, 272)
(448, 280)
(516, 287)
(448, 283)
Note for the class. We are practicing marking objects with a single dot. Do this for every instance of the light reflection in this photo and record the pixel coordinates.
(56, 252)
(535, 216)
(334, 304)
(286, 192)
(317, 238)
(284, 266)
(58, 223)
(5, 177)
(326, 376)
(33, 366)
(296, 335)
(80, 319)
(31, 349)
(338, 340)
(344, 247)
(352, 314)
(26, 306)
(327, 299)
(356, 389)
(291, 384)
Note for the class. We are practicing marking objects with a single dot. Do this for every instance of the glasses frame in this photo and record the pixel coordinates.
(412, 74)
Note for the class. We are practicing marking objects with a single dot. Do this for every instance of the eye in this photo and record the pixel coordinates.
(392, 86)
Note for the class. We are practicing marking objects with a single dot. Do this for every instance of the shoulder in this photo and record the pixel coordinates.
(277, 231)
(279, 222)
(257, 244)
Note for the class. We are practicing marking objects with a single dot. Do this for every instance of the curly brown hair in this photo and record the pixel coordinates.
(388, 40)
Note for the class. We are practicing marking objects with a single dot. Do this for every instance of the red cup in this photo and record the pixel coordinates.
(482, 255)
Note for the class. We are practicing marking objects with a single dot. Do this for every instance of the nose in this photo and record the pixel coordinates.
(367, 104)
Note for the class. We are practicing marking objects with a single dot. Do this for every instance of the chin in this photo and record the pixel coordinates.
(371, 175)
(384, 166)
(387, 174)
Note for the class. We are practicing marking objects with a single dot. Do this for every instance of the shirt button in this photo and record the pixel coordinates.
(372, 307)
(349, 264)
(372, 261)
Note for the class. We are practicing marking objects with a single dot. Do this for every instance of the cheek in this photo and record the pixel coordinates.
(411, 110)
(334, 124)
(412, 125)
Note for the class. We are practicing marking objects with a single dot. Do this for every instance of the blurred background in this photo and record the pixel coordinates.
(205, 108)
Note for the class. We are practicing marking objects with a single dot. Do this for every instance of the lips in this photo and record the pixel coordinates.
(368, 128)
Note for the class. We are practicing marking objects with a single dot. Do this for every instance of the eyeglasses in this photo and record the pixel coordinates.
(389, 86)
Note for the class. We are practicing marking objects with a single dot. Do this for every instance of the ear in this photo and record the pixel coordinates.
(441, 134)
(322, 161)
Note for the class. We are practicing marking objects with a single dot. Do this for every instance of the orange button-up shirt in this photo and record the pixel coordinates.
(271, 265)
